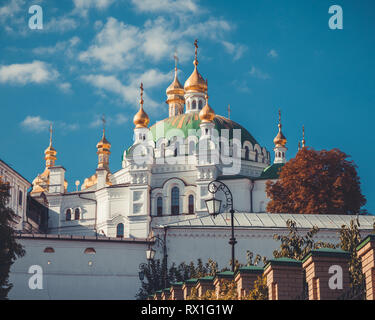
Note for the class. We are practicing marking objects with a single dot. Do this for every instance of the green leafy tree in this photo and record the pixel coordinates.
(9, 248)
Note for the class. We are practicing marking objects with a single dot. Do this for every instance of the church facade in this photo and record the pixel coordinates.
(165, 173)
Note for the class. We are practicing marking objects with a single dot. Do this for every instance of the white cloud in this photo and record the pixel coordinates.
(12, 8)
(63, 47)
(118, 46)
(273, 53)
(35, 72)
(38, 124)
(65, 87)
(35, 123)
(171, 6)
(236, 50)
(259, 74)
(130, 93)
(61, 24)
(82, 6)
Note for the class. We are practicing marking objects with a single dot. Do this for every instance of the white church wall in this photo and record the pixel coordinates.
(260, 199)
(185, 245)
(67, 273)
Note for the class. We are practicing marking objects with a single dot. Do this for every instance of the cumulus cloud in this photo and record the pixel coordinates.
(117, 46)
(172, 6)
(63, 47)
(130, 93)
(38, 124)
(236, 50)
(259, 74)
(273, 53)
(35, 123)
(35, 72)
(61, 24)
(82, 6)
(65, 87)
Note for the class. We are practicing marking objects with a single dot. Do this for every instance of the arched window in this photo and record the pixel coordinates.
(175, 152)
(191, 204)
(247, 153)
(194, 105)
(76, 214)
(159, 206)
(200, 104)
(256, 155)
(191, 147)
(68, 215)
(175, 201)
(120, 230)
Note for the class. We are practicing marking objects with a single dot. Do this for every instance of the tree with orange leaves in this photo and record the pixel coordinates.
(317, 182)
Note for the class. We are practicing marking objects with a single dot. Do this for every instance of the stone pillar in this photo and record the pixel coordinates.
(101, 178)
(157, 295)
(176, 291)
(284, 278)
(366, 251)
(204, 284)
(187, 286)
(166, 293)
(220, 278)
(245, 278)
(320, 266)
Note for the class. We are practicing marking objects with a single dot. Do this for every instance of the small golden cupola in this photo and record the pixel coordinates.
(280, 142)
(175, 94)
(207, 114)
(141, 119)
(195, 87)
(50, 152)
(104, 150)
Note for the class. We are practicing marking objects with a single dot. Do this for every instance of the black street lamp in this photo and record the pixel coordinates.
(214, 205)
(150, 254)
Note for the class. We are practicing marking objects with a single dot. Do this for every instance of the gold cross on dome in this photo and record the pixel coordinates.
(196, 48)
(50, 133)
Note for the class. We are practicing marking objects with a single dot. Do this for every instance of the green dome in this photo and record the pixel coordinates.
(189, 121)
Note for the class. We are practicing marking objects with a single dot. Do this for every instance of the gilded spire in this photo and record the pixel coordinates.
(280, 140)
(195, 82)
(229, 111)
(207, 114)
(50, 152)
(175, 88)
(103, 147)
(303, 137)
(141, 119)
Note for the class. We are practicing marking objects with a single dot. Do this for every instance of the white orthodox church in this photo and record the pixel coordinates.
(160, 190)
(165, 173)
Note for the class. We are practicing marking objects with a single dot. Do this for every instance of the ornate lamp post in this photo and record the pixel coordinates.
(150, 255)
(214, 206)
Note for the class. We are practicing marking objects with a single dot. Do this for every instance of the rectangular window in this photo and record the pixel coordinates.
(20, 196)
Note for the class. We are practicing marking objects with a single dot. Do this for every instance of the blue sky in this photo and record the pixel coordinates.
(258, 56)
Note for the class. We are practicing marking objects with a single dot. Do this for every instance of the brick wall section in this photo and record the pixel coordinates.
(204, 284)
(284, 279)
(220, 278)
(176, 291)
(245, 278)
(187, 286)
(317, 264)
(366, 251)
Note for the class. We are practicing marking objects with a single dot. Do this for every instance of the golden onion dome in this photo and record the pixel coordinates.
(103, 143)
(207, 114)
(280, 140)
(175, 87)
(141, 119)
(195, 82)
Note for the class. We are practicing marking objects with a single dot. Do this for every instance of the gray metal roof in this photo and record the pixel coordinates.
(275, 220)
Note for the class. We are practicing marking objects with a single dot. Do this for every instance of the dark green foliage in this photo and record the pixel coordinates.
(9, 248)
